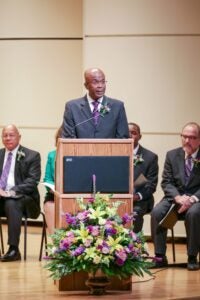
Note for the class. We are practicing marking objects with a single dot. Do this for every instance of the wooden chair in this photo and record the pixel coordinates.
(43, 238)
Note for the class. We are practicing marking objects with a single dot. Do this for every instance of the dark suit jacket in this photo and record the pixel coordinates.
(27, 176)
(149, 168)
(78, 121)
(173, 182)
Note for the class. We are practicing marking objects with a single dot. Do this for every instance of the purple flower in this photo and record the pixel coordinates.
(133, 235)
(71, 220)
(111, 231)
(65, 244)
(91, 200)
(119, 261)
(82, 215)
(105, 250)
(93, 230)
(121, 254)
(109, 228)
(78, 251)
(103, 247)
(126, 218)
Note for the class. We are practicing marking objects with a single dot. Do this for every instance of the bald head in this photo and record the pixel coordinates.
(92, 72)
(10, 137)
(95, 82)
(10, 127)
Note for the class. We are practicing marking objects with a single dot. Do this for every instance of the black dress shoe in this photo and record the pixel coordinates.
(11, 255)
(159, 262)
(192, 265)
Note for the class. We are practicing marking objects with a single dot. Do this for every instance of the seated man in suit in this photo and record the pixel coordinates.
(95, 115)
(20, 172)
(181, 185)
(145, 177)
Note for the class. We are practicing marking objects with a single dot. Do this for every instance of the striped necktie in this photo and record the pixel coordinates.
(188, 167)
(95, 112)
(5, 173)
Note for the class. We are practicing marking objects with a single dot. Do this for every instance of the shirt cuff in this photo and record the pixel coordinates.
(140, 195)
(195, 198)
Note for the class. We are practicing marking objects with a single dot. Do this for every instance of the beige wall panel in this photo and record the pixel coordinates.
(36, 79)
(40, 18)
(157, 77)
(141, 17)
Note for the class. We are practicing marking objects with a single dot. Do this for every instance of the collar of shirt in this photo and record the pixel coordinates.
(14, 153)
(90, 100)
(194, 155)
(135, 150)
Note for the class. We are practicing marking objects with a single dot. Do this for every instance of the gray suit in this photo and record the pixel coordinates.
(173, 184)
(78, 121)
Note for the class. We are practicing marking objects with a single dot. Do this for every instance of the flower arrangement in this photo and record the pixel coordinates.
(97, 238)
(196, 162)
(137, 159)
(20, 155)
(104, 109)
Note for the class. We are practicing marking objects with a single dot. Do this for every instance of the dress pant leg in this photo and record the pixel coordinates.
(158, 233)
(192, 226)
(13, 213)
(140, 208)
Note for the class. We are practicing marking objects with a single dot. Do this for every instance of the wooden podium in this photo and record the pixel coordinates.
(65, 202)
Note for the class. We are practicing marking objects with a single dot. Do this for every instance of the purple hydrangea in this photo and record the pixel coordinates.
(78, 251)
(93, 230)
(126, 218)
(103, 247)
(82, 216)
(70, 219)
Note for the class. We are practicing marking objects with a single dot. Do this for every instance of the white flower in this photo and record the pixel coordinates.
(137, 159)
(20, 155)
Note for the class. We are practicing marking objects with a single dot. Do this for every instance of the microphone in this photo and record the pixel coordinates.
(80, 123)
(73, 135)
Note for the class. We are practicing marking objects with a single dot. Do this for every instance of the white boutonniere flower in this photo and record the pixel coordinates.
(196, 162)
(20, 155)
(137, 159)
(104, 109)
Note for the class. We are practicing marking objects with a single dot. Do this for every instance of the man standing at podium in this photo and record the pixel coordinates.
(95, 115)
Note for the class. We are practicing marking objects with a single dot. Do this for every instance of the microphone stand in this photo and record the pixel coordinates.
(94, 185)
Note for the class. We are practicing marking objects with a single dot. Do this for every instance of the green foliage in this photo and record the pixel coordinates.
(98, 238)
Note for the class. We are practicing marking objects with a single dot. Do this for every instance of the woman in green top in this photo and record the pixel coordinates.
(49, 205)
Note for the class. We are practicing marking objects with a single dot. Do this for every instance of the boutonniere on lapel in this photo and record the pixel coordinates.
(20, 155)
(104, 109)
(196, 162)
(137, 159)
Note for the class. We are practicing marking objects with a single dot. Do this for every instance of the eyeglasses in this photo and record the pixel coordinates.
(189, 137)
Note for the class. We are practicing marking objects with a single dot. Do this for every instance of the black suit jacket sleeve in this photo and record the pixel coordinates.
(27, 173)
(149, 168)
(121, 127)
(170, 180)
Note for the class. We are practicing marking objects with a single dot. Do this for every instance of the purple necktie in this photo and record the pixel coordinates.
(5, 173)
(188, 167)
(95, 112)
